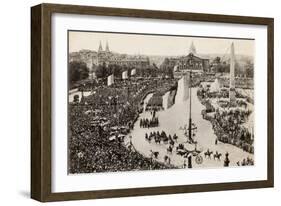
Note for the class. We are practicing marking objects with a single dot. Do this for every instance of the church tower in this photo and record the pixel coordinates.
(107, 47)
(192, 48)
(100, 47)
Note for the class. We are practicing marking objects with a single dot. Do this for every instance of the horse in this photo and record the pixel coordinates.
(167, 159)
(175, 137)
(169, 150)
(157, 140)
(154, 154)
(148, 138)
(181, 146)
(172, 143)
(217, 155)
(181, 153)
(208, 153)
(165, 140)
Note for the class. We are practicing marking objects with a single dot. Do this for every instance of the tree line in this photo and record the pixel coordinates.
(247, 68)
(103, 70)
(78, 71)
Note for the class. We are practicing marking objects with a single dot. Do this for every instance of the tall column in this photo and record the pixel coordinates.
(232, 99)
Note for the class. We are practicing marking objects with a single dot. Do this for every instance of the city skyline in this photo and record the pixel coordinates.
(158, 45)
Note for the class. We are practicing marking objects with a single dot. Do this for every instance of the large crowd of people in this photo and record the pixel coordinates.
(228, 123)
(228, 127)
(97, 121)
(245, 83)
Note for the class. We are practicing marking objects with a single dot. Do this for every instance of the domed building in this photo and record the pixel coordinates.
(193, 60)
(184, 64)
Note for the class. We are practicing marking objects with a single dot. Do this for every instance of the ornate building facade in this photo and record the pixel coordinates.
(193, 61)
(184, 63)
(107, 57)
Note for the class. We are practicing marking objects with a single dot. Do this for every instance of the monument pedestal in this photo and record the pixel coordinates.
(232, 98)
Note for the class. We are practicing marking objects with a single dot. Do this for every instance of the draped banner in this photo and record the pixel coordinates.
(110, 80)
(133, 72)
(183, 89)
(125, 75)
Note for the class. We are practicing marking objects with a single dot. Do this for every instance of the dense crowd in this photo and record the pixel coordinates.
(91, 123)
(228, 128)
(228, 124)
(245, 83)
(223, 93)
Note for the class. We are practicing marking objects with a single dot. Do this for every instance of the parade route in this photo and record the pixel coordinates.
(171, 121)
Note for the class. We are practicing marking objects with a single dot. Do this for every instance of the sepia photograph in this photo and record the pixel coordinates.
(139, 102)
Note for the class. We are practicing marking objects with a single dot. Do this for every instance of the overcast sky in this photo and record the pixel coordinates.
(155, 44)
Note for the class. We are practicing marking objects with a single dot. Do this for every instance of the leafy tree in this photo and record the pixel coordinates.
(117, 70)
(101, 71)
(218, 60)
(78, 71)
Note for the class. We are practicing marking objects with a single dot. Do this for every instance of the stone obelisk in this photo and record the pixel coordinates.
(232, 99)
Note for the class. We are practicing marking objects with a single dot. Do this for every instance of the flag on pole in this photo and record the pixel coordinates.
(125, 75)
(133, 72)
(110, 80)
